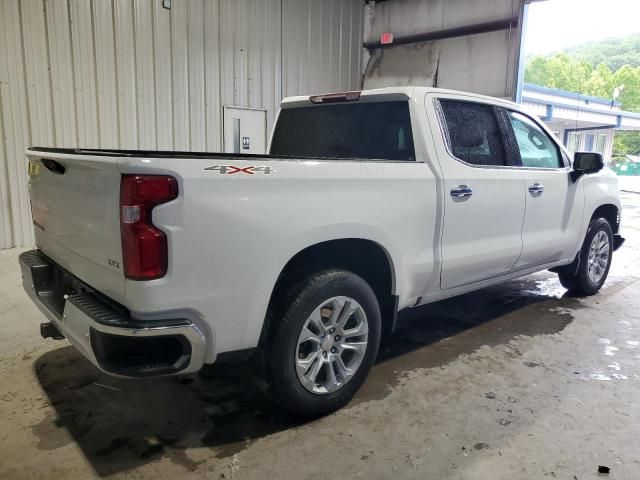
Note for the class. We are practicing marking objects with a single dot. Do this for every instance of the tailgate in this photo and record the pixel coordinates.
(75, 207)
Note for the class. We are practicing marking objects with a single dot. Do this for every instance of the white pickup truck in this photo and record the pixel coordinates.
(156, 263)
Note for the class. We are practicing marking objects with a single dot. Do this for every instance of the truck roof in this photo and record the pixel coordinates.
(392, 93)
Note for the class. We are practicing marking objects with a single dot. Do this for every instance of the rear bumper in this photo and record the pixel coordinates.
(103, 331)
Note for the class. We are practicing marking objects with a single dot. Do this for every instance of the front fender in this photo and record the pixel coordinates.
(599, 189)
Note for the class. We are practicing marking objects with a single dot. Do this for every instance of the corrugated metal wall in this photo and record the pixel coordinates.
(131, 74)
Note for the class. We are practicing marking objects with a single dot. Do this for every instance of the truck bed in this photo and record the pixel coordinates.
(181, 154)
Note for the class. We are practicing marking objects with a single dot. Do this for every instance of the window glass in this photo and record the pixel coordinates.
(380, 130)
(536, 148)
(588, 142)
(601, 142)
(573, 142)
(474, 135)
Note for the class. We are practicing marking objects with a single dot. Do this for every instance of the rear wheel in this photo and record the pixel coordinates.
(322, 343)
(595, 260)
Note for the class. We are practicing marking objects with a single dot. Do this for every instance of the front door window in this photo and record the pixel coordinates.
(537, 150)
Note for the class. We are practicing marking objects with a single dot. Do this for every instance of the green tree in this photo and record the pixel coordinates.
(626, 143)
(600, 82)
(613, 52)
(566, 72)
(629, 77)
(558, 71)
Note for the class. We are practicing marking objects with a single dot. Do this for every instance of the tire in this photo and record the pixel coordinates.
(285, 358)
(581, 282)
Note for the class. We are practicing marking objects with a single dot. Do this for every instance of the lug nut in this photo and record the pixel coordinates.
(333, 350)
(332, 330)
(337, 338)
(324, 354)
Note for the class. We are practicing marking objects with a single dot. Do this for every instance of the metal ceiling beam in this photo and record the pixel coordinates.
(448, 33)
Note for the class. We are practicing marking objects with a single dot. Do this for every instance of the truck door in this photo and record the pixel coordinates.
(484, 199)
(554, 204)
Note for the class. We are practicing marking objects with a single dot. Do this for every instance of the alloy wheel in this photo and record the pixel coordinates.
(331, 345)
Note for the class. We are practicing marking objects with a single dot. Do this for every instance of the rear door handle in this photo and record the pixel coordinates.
(536, 188)
(461, 192)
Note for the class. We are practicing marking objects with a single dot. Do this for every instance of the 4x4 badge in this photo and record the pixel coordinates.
(250, 170)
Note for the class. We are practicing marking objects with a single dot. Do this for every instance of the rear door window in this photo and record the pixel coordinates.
(474, 135)
(365, 130)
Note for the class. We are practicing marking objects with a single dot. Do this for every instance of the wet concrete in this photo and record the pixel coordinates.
(514, 381)
(490, 317)
(217, 409)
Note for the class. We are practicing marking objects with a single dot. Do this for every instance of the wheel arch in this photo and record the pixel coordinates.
(611, 213)
(364, 257)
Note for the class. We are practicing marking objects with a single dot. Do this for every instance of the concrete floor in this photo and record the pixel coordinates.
(517, 381)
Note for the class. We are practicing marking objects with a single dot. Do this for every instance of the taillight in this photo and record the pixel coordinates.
(144, 247)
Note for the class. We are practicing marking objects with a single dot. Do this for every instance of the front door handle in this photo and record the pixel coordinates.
(536, 189)
(461, 192)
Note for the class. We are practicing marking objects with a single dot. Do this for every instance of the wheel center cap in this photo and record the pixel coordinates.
(327, 343)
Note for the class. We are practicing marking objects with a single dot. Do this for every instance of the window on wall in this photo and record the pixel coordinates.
(588, 142)
(601, 142)
(536, 148)
(474, 136)
(573, 142)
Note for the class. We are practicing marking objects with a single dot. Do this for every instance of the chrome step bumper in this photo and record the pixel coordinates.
(103, 331)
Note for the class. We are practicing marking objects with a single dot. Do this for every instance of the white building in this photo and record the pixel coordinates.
(581, 122)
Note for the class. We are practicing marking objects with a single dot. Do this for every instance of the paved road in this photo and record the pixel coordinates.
(629, 184)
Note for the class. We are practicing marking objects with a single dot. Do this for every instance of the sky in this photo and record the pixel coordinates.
(557, 24)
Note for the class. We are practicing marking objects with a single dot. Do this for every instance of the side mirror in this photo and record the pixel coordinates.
(585, 163)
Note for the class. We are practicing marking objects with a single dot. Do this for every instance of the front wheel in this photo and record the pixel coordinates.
(324, 339)
(595, 260)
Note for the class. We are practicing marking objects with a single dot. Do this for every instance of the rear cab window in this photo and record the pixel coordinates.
(361, 130)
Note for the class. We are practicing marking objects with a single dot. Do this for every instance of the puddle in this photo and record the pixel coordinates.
(610, 350)
(614, 366)
(599, 376)
(436, 334)
(615, 369)
(549, 287)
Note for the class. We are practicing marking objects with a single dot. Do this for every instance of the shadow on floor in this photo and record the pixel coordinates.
(120, 424)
